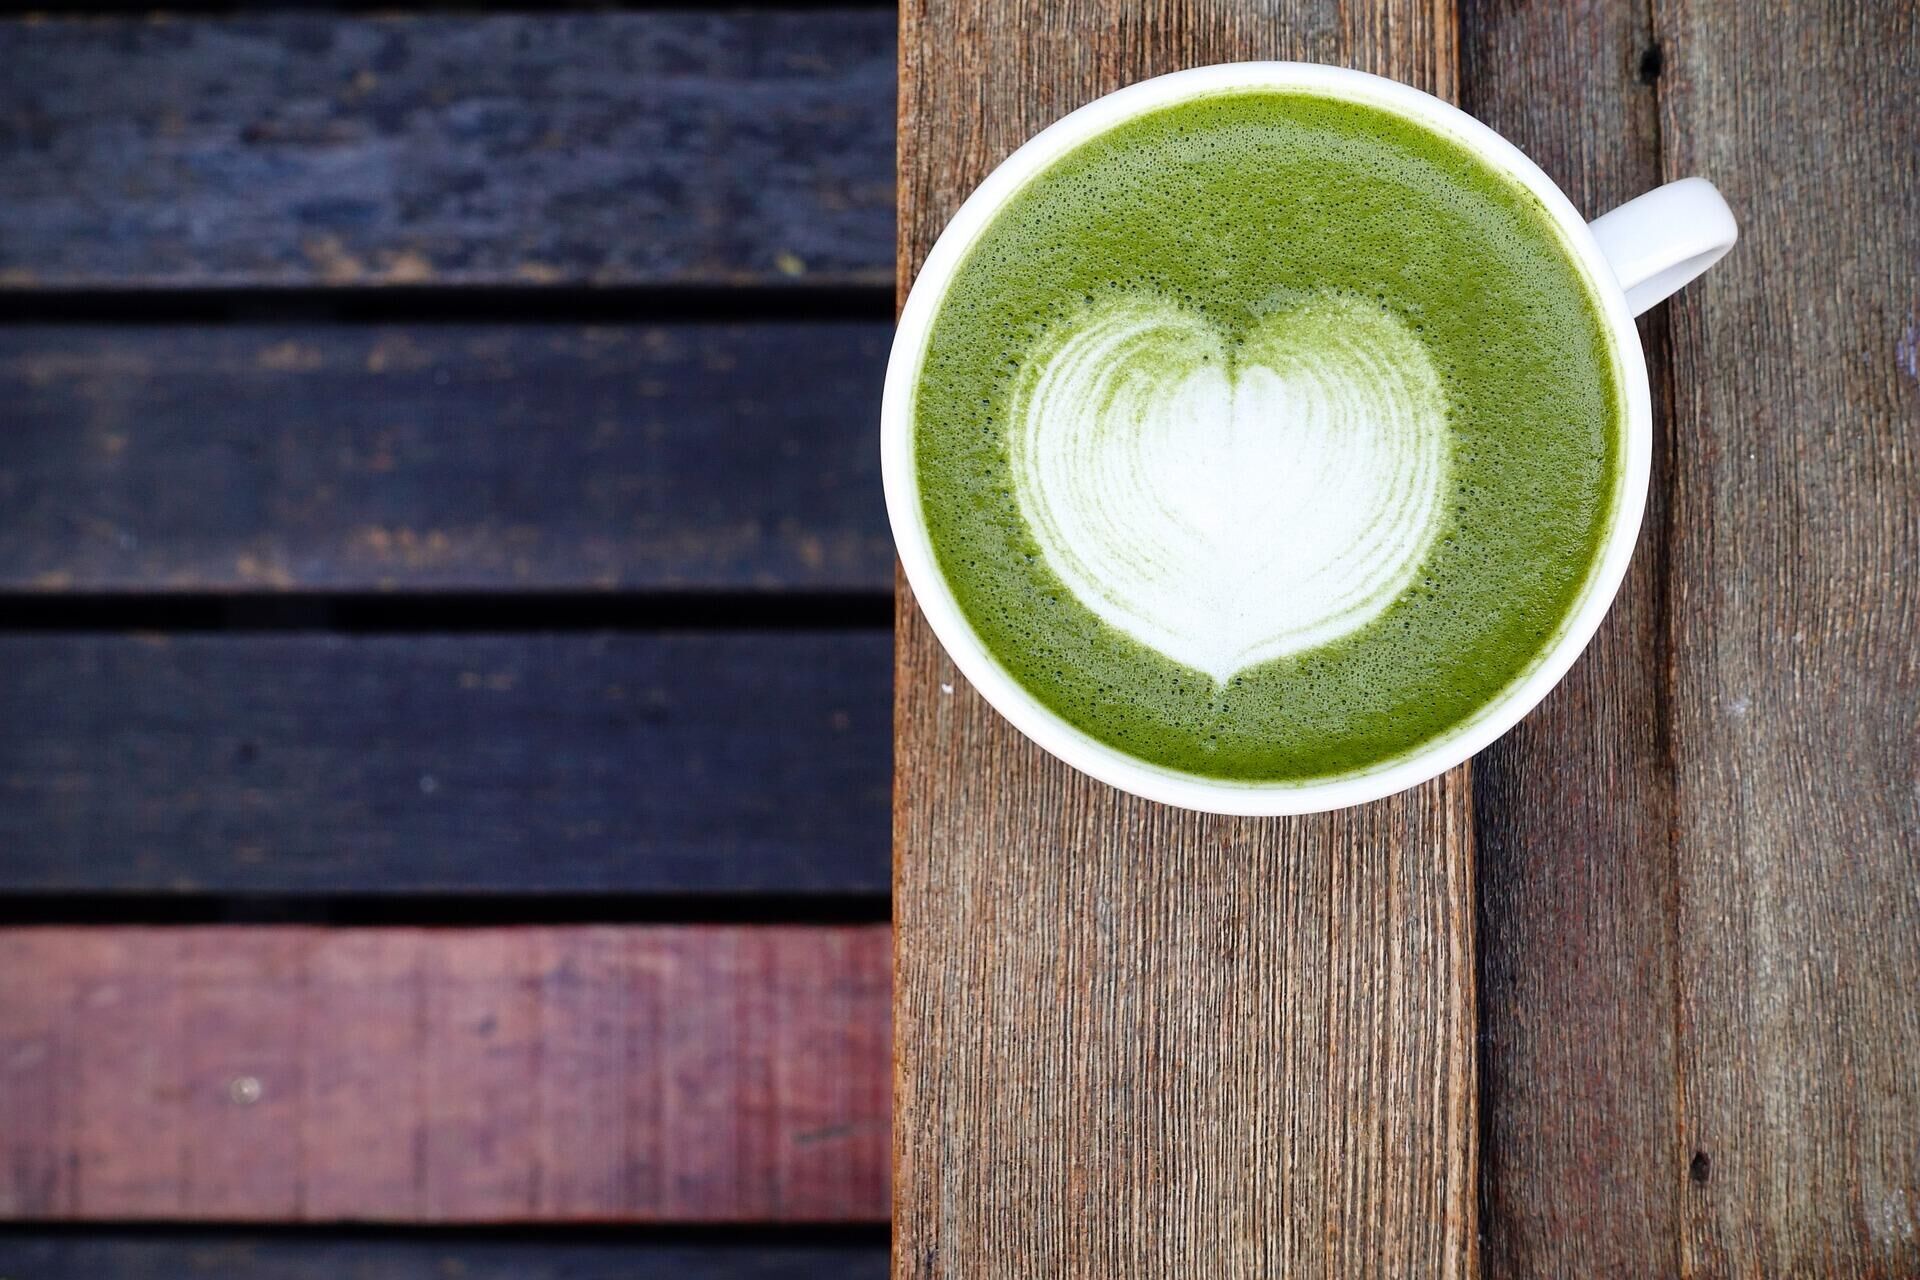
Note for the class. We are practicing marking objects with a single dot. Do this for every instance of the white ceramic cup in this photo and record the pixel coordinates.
(1633, 257)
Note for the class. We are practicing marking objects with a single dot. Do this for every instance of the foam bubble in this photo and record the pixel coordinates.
(1226, 503)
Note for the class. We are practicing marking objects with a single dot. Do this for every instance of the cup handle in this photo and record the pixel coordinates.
(1661, 240)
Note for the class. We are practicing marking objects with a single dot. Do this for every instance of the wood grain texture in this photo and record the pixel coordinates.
(718, 762)
(1580, 1164)
(1796, 700)
(524, 149)
(87, 1254)
(347, 457)
(1131, 1040)
(558, 1074)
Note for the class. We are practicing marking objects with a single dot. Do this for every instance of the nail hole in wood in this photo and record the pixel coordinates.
(1652, 60)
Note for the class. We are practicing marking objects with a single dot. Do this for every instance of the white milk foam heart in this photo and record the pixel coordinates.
(1227, 504)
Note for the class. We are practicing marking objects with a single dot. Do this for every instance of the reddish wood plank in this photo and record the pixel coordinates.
(359, 1085)
(544, 1074)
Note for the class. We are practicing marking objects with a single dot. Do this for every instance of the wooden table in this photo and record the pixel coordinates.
(1675, 1030)
(436, 471)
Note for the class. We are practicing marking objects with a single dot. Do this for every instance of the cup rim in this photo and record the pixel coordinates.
(1108, 764)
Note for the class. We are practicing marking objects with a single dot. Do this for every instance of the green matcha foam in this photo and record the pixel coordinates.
(1267, 436)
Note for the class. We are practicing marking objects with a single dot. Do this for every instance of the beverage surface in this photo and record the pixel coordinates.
(1268, 436)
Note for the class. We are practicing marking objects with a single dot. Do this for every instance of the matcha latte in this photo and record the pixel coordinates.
(1268, 436)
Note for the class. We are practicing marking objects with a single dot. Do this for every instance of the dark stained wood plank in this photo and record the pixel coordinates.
(581, 763)
(1131, 1040)
(690, 455)
(524, 149)
(1796, 701)
(658, 1074)
(1580, 1165)
(86, 1254)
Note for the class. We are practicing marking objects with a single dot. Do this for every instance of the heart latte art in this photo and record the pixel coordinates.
(1226, 503)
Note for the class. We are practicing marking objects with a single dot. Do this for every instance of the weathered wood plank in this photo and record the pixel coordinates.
(85, 1254)
(582, 763)
(317, 149)
(698, 455)
(1135, 1041)
(1580, 1165)
(560, 1074)
(1796, 701)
